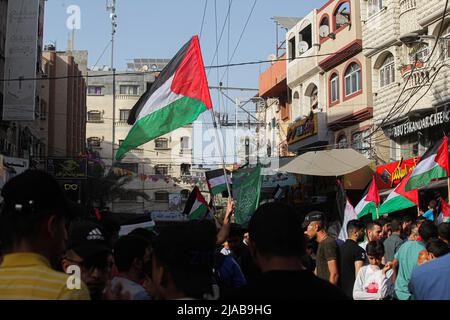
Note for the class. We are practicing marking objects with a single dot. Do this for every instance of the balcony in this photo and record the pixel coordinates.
(127, 97)
(186, 151)
(95, 121)
(121, 123)
(408, 17)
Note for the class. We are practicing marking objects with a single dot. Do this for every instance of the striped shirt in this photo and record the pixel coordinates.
(28, 276)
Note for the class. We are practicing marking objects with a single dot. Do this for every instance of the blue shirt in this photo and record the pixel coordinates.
(429, 215)
(231, 274)
(431, 280)
(407, 256)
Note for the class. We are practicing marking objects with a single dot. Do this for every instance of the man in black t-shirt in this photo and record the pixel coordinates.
(352, 256)
(277, 244)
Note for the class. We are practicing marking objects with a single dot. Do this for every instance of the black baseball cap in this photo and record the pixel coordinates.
(313, 216)
(34, 191)
(87, 239)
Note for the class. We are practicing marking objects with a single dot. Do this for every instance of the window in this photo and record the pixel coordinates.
(94, 142)
(360, 142)
(94, 116)
(128, 196)
(292, 49)
(184, 142)
(306, 36)
(374, 6)
(161, 143)
(446, 42)
(162, 196)
(393, 151)
(314, 98)
(387, 71)
(95, 90)
(334, 88)
(130, 90)
(162, 169)
(342, 15)
(324, 28)
(341, 142)
(124, 114)
(352, 79)
(185, 169)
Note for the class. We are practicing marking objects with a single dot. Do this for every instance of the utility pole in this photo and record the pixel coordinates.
(113, 17)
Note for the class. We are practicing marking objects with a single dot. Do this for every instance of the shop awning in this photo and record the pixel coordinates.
(331, 163)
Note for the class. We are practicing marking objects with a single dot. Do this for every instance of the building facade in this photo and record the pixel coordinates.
(347, 74)
(411, 91)
(305, 79)
(161, 168)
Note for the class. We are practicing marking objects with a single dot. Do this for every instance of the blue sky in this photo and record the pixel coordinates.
(157, 29)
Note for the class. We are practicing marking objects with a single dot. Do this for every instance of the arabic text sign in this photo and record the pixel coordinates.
(390, 175)
(67, 168)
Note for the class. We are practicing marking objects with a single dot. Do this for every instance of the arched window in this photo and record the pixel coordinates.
(296, 100)
(324, 27)
(387, 71)
(334, 87)
(341, 142)
(374, 6)
(352, 79)
(342, 15)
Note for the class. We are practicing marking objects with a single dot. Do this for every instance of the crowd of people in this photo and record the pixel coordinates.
(46, 253)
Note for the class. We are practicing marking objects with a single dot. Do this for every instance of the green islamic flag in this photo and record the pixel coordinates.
(246, 191)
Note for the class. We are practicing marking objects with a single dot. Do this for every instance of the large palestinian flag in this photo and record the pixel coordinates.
(400, 199)
(369, 203)
(433, 165)
(444, 216)
(177, 97)
(196, 206)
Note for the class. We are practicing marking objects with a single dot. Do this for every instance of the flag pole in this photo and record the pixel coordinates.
(221, 153)
(448, 189)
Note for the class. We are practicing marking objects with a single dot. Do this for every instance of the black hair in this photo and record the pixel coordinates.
(354, 225)
(187, 250)
(371, 225)
(427, 231)
(407, 219)
(437, 247)
(276, 230)
(29, 200)
(127, 249)
(144, 234)
(383, 221)
(432, 204)
(396, 225)
(444, 231)
(375, 249)
(236, 231)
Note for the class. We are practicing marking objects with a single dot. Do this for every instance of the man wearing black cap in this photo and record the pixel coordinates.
(88, 249)
(327, 252)
(33, 235)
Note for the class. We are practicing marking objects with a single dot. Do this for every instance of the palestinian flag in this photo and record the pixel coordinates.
(400, 199)
(345, 209)
(444, 216)
(176, 98)
(196, 206)
(433, 165)
(369, 203)
(217, 182)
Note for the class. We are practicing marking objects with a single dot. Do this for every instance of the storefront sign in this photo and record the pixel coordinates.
(302, 129)
(390, 175)
(432, 120)
(67, 168)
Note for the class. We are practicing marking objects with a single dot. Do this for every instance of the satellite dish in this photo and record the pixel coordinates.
(154, 67)
(272, 58)
(324, 31)
(303, 46)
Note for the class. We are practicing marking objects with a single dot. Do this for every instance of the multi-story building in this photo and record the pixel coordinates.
(274, 111)
(409, 48)
(162, 167)
(20, 52)
(305, 79)
(347, 74)
(63, 104)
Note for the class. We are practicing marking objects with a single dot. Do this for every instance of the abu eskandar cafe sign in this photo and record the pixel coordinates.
(429, 121)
